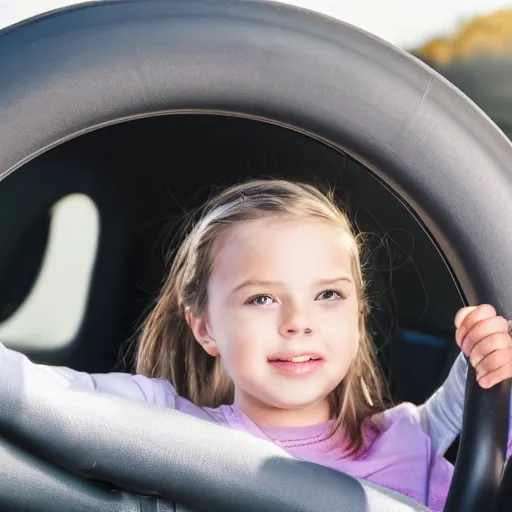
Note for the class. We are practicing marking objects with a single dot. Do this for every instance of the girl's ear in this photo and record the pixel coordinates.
(201, 332)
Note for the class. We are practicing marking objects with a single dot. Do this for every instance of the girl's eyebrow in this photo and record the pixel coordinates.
(321, 282)
(254, 282)
(345, 278)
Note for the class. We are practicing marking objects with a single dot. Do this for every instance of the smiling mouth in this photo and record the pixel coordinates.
(297, 366)
(295, 359)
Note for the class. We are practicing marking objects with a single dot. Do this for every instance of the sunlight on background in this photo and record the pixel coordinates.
(406, 23)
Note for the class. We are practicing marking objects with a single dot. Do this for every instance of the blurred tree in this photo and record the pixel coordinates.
(490, 34)
(478, 60)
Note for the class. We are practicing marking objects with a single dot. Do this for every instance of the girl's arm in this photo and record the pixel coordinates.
(441, 414)
(485, 338)
(17, 371)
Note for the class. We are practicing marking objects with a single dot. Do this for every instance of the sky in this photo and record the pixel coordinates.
(405, 23)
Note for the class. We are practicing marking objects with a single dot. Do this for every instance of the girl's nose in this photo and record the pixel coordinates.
(295, 322)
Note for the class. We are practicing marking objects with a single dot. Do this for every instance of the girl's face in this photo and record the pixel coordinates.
(283, 316)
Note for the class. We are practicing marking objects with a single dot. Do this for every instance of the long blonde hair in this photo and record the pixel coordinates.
(167, 348)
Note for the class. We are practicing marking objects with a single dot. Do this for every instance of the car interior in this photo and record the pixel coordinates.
(143, 177)
(119, 118)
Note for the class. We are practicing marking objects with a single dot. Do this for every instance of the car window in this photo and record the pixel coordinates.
(51, 314)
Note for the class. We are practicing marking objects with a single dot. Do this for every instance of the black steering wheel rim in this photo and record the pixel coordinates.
(81, 68)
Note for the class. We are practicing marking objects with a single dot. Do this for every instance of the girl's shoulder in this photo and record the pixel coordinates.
(397, 433)
(161, 392)
(404, 417)
(404, 411)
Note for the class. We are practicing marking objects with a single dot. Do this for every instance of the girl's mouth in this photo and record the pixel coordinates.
(297, 365)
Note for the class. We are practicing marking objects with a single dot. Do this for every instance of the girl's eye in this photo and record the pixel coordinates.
(261, 300)
(329, 295)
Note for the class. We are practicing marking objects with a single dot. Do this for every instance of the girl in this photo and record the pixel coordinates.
(261, 326)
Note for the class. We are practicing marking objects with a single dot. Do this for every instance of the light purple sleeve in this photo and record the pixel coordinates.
(441, 415)
(17, 370)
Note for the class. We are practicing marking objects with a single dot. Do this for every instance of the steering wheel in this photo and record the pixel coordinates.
(93, 65)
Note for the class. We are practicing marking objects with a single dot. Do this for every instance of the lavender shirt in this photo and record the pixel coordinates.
(402, 457)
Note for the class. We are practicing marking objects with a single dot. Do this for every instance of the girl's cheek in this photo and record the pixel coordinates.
(254, 316)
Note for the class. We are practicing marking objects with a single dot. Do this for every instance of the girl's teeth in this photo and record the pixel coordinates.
(300, 359)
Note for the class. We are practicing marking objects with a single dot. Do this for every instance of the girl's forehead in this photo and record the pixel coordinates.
(300, 230)
(273, 244)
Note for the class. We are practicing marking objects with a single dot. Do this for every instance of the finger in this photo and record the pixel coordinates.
(499, 375)
(462, 313)
(483, 329)
(472, 317)
(493, 362)
(490, 344)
